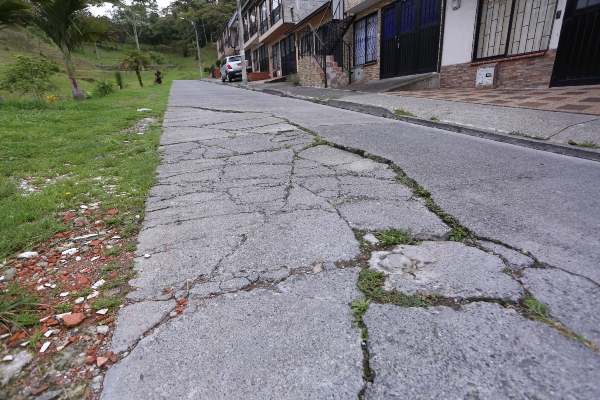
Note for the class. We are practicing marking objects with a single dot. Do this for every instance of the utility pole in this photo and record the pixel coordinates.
(197, 45)
(241, 42)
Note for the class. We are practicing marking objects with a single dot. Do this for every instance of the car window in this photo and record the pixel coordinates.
(234, 59)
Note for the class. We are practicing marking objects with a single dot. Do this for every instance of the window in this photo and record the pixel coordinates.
(365, 40)
(389, 23)
(264, 24)
(275, 11)
(510, 27)
(586, 3)
(275, 56)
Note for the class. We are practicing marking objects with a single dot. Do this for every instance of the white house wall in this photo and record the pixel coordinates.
(459, 32)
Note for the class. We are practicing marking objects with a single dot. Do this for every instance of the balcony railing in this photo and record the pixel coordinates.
(253, 28)
(264, 26)
(275, 15)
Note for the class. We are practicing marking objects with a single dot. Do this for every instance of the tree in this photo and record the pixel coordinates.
(133, 19)
(10, 11)
(136, 61)
(68, 25)
(30, 75)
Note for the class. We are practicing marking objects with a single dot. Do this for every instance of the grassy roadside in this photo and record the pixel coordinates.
(57, 156)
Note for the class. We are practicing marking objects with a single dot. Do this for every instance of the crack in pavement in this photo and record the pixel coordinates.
(277, 249)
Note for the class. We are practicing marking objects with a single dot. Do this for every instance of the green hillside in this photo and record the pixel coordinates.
(20, 41)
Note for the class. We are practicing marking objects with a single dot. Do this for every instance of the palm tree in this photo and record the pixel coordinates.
(69, 26)
(136, 61)
(11, 10)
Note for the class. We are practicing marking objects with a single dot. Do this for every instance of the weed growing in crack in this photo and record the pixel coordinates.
(590, 144)
(458, 233)
(364, 335)
(359, 308)
(534, 309)
(434, 119)
(421, 192)
(390, 237)
(370, 283)
(317, 142)
(399, 111)
(514, 133)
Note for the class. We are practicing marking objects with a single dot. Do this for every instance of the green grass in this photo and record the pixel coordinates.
(359, 308)
(393, 236)
(70, 144)
(110, 303)
(458, 233)
(434, 119)
(590, 144)
(370, 282)
(403, 112)
(16, 308)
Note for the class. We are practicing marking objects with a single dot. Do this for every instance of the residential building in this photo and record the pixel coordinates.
(227, 42)
(493, 43)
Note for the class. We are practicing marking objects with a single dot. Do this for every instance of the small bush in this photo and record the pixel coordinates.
(119, 79)
(403, 112)
(218, 63)
(295, 80)
(104, 88)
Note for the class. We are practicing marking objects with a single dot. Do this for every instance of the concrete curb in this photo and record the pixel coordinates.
(551, 147)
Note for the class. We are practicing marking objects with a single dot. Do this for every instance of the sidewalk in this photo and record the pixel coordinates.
(260, 276)
(540, 125)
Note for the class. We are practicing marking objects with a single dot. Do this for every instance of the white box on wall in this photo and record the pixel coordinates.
(486, 76)
(359, 74)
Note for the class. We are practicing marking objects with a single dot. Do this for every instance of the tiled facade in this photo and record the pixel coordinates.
(524, 72)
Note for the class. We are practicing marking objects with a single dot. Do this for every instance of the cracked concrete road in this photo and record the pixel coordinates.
(256, 225)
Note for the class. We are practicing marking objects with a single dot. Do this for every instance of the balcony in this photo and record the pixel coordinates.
(251, 37)
(264, 26)
(275, 15)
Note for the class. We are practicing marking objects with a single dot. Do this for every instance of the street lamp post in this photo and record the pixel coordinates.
(197, 45)
(241, 42)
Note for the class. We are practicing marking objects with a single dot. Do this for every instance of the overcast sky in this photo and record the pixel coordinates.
(107, 7)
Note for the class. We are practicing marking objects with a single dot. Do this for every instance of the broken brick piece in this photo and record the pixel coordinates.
(90, 360)
(39, 390)
(100, 361)
(112, 212)
(73, 319)
(181, 301)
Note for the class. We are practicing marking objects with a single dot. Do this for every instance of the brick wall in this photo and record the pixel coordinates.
(520, 73)
(308, 73)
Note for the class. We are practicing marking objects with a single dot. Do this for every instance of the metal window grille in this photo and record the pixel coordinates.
(389, 23)
(510, 27)
(275, 56)
(408, 12)
(255, 61)
(306, 42)
(586, 3)
(264, 21)
(430, 10)
(371, 40)
(359, 41)
(263, 58)
(275, 12)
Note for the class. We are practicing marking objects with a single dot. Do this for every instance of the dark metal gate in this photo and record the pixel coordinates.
(578, 54)
(410, 34)
(288, 56)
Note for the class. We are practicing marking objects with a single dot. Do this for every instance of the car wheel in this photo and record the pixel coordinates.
(229, 77)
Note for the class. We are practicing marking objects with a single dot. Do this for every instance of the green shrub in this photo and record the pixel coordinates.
(104, 88)
(119, 79)
(295, 80)
(157, 58)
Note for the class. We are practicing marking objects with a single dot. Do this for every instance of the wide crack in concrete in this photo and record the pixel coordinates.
(248, 221)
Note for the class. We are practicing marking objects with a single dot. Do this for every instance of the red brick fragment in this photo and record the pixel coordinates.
(181, 301)
(112, 212)
(51, 322)
(100, 361)
(95, 242)
(39, 390)
(73, 319)
(90, 360)
(113, 274)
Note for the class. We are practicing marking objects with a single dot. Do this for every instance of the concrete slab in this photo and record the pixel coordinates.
(136, 319)
(574, 301)
(298, 343)
(382, 214)
(482, 351)
(449, 269)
